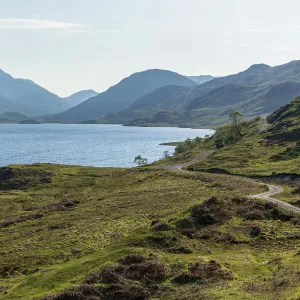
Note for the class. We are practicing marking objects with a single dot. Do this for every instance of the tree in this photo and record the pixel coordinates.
(236, 125)
(198, 140)
(166, 155)
(140, 161)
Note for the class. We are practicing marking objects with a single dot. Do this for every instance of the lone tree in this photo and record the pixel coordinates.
(236, 124)
(141, 161)
(166, 155)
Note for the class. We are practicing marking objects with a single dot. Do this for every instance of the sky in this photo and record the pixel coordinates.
(71, 45)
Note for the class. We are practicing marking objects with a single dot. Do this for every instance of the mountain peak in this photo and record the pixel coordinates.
(258, 68)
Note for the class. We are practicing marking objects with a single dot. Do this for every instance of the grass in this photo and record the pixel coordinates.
(199, 235)
(86, 210)
(274, 152)
(112, 218)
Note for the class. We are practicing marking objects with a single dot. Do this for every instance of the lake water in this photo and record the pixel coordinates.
(87, 145)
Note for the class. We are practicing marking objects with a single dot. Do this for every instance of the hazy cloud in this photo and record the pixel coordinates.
(10, 24)
(258, 30)
(263, 46)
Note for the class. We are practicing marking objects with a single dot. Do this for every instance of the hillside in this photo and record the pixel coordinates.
(201, 78)
(122, 95)
(79, 97)
(258, 90)
(156, 232)
(28, 97)
(11, 117)
(273, 151)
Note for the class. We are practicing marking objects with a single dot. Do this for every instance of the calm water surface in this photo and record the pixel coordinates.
(87, 145)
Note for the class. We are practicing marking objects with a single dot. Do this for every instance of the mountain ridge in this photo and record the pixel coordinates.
(122, 95)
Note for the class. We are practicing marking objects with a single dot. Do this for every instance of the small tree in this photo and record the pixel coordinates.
(140, 161)
(198, 140)
(166, 155)
(236, 125)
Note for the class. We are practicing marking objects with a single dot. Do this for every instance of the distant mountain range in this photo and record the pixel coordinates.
(24, 98)
(123, 95)
(80, 97)
(201, 78)
(258, 90)
(159, 98)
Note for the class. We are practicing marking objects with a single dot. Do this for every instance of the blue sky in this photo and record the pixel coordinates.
(69, 45)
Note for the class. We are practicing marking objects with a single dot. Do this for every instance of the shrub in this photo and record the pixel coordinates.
(255, 231)
(132, 259)
(162, 227)
(209, 271)
(79, 293)
(126, 292)
(148, 272)
(111, 274)
(184, 278)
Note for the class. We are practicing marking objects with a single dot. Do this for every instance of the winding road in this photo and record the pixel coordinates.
(267, 196)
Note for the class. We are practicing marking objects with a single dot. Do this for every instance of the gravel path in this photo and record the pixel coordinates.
(267, 196)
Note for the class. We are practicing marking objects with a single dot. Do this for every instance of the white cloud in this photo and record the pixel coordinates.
(13, 24)
(258, 30)
(263, 46)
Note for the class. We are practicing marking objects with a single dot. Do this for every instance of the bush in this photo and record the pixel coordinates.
(132, 259)
(79, 293)
(148, 272)
(162, 227)
(111, 274)
(209, 271)
(184, 278)
(255, 231)
(133, 267)
(126, 292)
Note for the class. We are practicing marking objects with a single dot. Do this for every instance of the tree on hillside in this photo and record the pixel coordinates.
(236, 125)
(140, 161)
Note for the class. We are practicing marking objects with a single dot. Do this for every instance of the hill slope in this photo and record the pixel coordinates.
(201, 78)
(149, 233)
(79, 97)
(25, 93)
(264, 150)
(255, 91)
(123, 95)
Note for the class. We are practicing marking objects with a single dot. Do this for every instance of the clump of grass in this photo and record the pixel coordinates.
(127, 280)
(162, 227)
(22, 178)
(21, 219)
(203, 273)
(132, 267)
(82, 292)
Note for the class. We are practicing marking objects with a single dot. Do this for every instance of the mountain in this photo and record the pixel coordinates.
(122, 95)
(79, 97)
(258, 90)
(28, 97)
(160, 98)
(201, 78)
(12, 117)
(7, 105)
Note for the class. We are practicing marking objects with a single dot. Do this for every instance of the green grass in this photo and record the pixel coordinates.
(273, 152)
(60, 223)
(114, 203)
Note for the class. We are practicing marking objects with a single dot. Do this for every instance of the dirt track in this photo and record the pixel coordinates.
(267, 196)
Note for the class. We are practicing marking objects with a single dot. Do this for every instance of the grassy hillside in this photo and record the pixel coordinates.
(69, 232)
(274, 151)
(188, 236)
